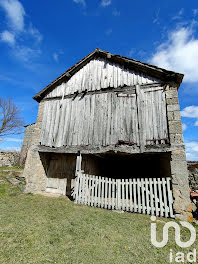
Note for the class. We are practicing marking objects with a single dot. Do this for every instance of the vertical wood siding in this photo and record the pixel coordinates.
(98, 119)
(98, 74)
(103, 119)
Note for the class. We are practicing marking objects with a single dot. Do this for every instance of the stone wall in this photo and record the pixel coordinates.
(193, 175)
(27, 142)
(9, 159)
(179, 171)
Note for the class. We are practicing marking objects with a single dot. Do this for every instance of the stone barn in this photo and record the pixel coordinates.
(109, 134)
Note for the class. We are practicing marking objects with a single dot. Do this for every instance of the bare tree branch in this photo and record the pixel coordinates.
(11, 122)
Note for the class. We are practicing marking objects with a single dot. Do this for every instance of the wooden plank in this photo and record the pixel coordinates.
(85, 188)
(96, 191)
(139, 196)
(131, 195)
(93, 191)
(156, 197)
(109, 195)
(148, 208)
(151, 196)
(76, 189)
(160, 197)
(102, 193)
(113, 193)
(122, 195)
(165, 197)
(118, 193)
(89, 190)
(170, 197)
(106, 191)
(140, 109)
(127, 194)
(143, 195)
(134, 193)
(99, 191)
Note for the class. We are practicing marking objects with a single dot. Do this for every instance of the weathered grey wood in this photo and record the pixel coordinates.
(127, 194)
(156, 197)
(140, 107)
(143, 195)
(170, 197)
(106, 188)
(165, 197)
(131, 195)
(151, 195)
(118, 193)
(135, 197)
(139, 197)
(160, 197)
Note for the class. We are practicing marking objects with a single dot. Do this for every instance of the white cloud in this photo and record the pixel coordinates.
(191, 112)
(7, 37)
(26, 54)
(179, 53)
(15, 13)
(82, 2)
(195, 11)
(55, 56)
(105, 3)
(184, 126)
(132, 52)
(18, 149)
(35, 33)
(179, 14)
(192, 150)
(116, 12)
(156, 18)
(108, 31)
(20, 32)
(13, 140)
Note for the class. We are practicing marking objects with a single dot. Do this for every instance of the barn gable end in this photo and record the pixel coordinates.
(99, 74)
(123, 117)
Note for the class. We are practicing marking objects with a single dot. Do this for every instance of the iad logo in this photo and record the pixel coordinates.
(179, 255)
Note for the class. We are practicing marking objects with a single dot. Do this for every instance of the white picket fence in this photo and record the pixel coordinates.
(151, 196)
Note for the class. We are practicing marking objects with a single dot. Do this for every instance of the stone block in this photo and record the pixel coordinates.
(177, 115)
(171, 94)
(176, 138)
(175, 127)
(174, 107)
(172, 101)
(170, 115)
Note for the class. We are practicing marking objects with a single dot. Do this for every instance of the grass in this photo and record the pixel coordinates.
(38, 229)
(11, 168)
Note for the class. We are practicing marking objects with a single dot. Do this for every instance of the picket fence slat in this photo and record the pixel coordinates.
(151, 196)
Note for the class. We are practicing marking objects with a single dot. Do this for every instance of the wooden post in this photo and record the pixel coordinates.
(78, 162)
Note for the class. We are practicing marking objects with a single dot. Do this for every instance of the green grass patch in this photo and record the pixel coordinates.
(11, 168)
(38, 229)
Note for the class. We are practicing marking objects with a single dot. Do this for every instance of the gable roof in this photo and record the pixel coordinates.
(146, 68)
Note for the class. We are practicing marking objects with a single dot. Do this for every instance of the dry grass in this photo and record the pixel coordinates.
(38, 229)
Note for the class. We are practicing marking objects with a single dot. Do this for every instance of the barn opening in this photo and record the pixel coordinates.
(122, 165)
(135, 183)
(139, 182)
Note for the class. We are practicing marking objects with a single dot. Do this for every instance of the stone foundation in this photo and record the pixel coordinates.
(9, 159)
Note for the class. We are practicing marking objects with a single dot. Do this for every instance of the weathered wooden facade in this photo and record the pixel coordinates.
(123, 117)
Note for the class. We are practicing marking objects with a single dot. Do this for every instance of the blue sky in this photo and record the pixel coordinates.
(39, 40)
